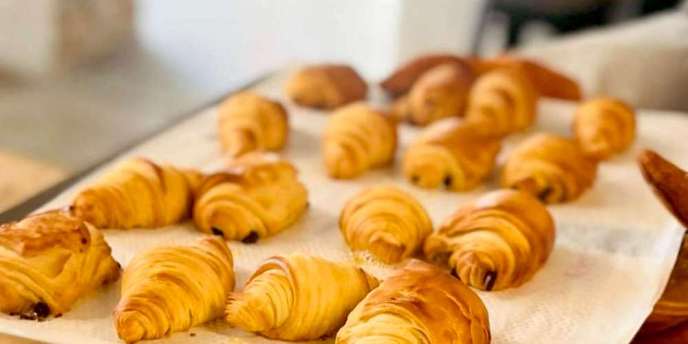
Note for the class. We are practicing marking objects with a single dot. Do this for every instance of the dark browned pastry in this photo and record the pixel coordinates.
(326, 86)
(547, 81)
(402, 79)
(669, 182)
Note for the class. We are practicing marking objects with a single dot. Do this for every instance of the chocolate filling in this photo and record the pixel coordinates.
(40, 311)
(489, 280)
(217, 231)
(544, 194)
(448, 181)
(415, 179)
(251, 238)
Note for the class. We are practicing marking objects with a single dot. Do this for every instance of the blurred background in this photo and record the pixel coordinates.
(83, 79)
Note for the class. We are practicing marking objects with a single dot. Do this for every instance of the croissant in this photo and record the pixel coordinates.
(138, 193)
(548, 82)
(441, 92)
(552, 168)
(668, 181)
(496, 242)
(604, 126)
(386, 221)
(257, 196)
(404, 77)
(48, 261)
(170, 289)
(503, 98)
(418, 304)
(357, 138)
(249, 122)
(298, 297)
(326, 86)
(453, 153)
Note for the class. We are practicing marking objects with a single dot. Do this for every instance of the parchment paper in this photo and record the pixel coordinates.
(614, 251)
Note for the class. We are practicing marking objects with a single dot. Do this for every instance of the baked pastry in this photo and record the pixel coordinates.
(172, 288)
(504, 99)
(548, 82)
(249, 122)
(441, 92)
(138, 193)
(453, 153)
(549, 167)
(604, 126)
(326, 86)
(258, 195)
(418, 304)
(403, 78)
(386, 221)
(668, 181)
(357, 138)
(298, 297)
(48, 261)
(496, 242)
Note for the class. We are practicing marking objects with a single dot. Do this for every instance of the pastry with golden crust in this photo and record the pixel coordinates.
(48, 261)
(258, 195)
(386, 221)
(452, 152)
(173, 288)
(138, 193)
(418, 304)
(249, 122)
(403, 78)
(358, 138)
(326, 86)
(498, 241)
(603, 127)
(298, 298)
(549, 167)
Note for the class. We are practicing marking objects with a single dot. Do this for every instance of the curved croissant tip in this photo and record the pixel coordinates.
(129, 327)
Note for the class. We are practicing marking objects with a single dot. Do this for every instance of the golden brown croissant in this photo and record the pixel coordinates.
(549, 167)
(503, 98)
(49, 260)
(249, 122)
(452, 152)
(418, 304)
(357, 138)
(441, 92)
(386, 221)
(604, 126)
(668, 181)
(548, 82)
(170, 289)
(138, 193)
(496, 242)
(326, 86)
(257, 196)
(402, 79)
(298, 297)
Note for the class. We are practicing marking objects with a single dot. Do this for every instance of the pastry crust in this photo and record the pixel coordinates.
(504, 99)
(358, 138)
(170, 289)
(403, 78)
(547, 81)
(298, 297)
(451, 152)
(551, 168)
(258, 195)
(326, 86)
(386, 221)
(48, 261)
(138, 193)
(603, 127)
(249, 122)
(496, 242)
(418, 304)
(439, 93)
(668, 181)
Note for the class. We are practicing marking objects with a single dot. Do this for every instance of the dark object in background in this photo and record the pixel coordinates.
(567, 16)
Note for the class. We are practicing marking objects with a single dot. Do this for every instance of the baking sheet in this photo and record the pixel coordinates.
(614, 251)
